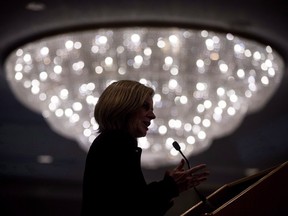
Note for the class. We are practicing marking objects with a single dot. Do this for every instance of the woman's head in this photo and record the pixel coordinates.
(125, 105)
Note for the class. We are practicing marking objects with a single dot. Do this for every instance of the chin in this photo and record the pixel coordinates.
(142, 134)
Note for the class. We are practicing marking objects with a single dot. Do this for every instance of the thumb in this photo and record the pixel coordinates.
(180, 165)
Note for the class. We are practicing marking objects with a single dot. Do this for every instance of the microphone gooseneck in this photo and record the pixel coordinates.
(201, 196)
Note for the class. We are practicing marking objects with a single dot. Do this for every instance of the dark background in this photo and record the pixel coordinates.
(31, 188)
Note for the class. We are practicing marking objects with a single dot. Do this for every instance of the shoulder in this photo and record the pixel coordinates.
(113, 135)
(114, 139)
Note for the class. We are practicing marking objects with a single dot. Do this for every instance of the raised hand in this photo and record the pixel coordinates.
(186, 179)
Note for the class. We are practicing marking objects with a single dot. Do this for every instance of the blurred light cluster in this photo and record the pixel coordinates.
(205, 82)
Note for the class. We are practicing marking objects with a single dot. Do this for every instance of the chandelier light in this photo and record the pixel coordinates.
(205, 82)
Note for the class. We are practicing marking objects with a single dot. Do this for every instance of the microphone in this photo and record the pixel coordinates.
(178, 148)
(201, 196)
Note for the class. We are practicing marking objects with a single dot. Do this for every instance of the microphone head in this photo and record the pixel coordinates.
(176, 146)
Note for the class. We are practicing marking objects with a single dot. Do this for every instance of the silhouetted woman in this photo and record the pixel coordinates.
(113, 182)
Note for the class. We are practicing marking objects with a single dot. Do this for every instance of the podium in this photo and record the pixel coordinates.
(262, 194)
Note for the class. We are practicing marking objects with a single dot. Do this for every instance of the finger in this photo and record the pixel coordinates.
(196, 183)
(196, 168)
(180, 165)
(201, 174)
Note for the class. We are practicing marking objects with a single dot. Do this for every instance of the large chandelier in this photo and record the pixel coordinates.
(205, 82)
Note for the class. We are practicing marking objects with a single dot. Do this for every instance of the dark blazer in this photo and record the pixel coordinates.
(114, 184)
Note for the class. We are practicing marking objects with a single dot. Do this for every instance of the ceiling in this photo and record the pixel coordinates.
(260, 142)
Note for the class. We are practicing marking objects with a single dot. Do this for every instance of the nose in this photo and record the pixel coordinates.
(151, 114)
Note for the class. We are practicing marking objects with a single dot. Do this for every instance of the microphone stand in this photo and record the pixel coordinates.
(201, 196)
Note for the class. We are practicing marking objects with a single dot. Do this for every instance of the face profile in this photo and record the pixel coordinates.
(140, 120)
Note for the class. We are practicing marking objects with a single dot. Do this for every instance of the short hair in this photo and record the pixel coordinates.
(118, 101)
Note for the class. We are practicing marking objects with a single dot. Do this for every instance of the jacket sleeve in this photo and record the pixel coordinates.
(160, 195)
